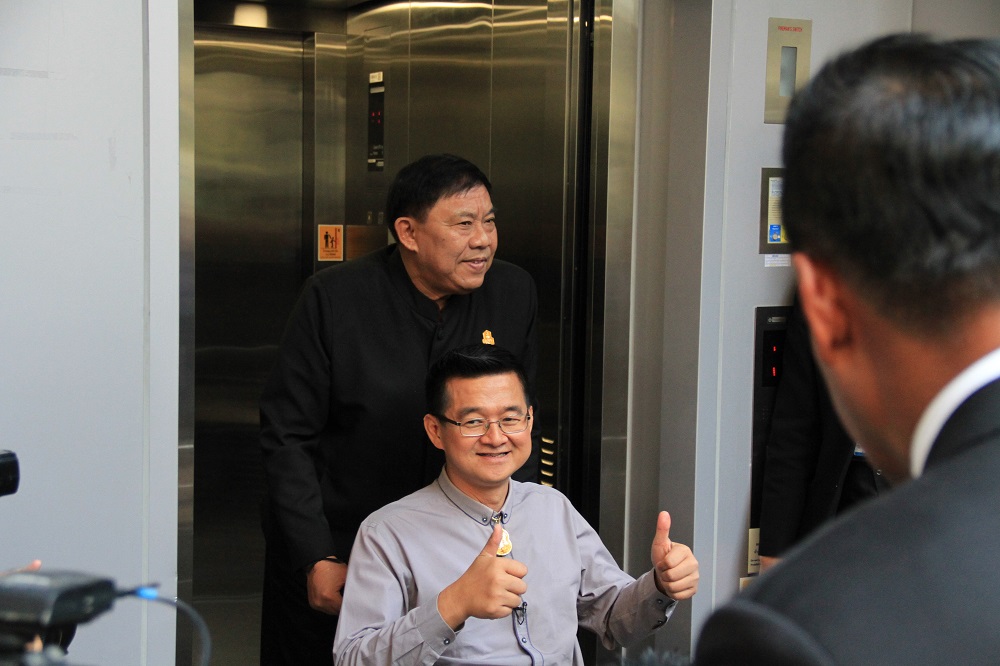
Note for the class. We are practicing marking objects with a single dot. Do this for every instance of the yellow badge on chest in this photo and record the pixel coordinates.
(505, 545)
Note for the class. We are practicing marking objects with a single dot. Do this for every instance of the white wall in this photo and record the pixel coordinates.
(733, 278)
(736, 103)
(88, 303)
(957, 18)
(701, 143)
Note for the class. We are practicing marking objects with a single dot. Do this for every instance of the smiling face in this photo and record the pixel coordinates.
(450, 250)
(481, 466)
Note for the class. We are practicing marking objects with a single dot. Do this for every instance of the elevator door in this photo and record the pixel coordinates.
(259, 118)
(248, 220)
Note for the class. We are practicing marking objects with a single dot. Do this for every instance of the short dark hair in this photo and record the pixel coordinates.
(419, 185)
(469, 362)
(892, 174)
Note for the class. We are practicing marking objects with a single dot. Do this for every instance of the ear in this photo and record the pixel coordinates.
(433, 428)
(405, 227)
(822, 296)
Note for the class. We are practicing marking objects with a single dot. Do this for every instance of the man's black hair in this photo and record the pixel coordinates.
(469, 362)
(892, 174)
(419, 185)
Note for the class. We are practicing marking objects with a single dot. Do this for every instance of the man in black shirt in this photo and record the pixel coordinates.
(813, 470)
(341, 416)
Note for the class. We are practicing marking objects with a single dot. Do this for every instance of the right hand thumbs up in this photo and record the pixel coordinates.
(489, 589)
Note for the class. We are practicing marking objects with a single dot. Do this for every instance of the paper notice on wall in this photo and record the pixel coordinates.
(776, 230)
(773, 239)
(330, 243)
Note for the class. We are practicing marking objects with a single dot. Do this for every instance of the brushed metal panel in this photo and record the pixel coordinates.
(377, 41)
(613, 159)
(324, 138)
(668, 256)
(186, 306)
(613, 155)
(248, 210)
(528, 142)
(491, 84)
(449, 104)
(330, 104)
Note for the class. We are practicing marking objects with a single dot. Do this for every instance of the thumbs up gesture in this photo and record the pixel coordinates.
(674, 564)
(490, 588)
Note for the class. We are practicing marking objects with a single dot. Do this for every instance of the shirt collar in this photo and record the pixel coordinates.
(423, 305)
(479, 512)
(944, 404)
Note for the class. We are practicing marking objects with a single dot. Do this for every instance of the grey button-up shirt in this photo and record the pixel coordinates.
(410, 550)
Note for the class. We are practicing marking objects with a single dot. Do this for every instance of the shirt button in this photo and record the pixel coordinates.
(660, 623)
(447, 641)
(485, 520)
(659, 602)
(524, 640)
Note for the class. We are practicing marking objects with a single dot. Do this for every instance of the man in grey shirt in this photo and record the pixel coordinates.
(479, 569)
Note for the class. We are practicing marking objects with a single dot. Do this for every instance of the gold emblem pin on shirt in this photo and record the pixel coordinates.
(488, 338)
(505, 545)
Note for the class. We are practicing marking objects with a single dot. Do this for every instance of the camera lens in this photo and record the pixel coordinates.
(9, 473)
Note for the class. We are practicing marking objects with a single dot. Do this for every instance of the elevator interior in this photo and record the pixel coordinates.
(284, 143)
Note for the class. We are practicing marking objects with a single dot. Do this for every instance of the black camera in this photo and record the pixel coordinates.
(44, 604)
(47, 606)
(10, 475)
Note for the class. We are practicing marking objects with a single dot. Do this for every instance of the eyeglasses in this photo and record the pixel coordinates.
(509, 425)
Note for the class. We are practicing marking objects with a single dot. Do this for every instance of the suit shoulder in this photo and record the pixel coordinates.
(884, 559)
(746, 633)
(863, 548)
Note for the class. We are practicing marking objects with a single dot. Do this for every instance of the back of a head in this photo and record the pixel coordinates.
(892, 174)
(469, 362)
(419, 185)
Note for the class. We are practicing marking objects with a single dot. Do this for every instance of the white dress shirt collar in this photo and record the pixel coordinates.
(944, 404)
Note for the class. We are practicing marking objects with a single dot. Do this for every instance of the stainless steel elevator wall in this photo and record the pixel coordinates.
(280, 141)
(489, 83)
(248, 221)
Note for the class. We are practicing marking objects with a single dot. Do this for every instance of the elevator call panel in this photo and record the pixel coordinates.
(771, 326)
(376, 121)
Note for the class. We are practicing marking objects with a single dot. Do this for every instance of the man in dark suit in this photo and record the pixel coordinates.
(892, 201)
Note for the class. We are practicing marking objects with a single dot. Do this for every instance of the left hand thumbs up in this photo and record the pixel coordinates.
(676, 569)
(661, 540)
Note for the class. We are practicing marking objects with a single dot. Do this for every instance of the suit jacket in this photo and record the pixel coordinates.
(808, 450)
(910, 578)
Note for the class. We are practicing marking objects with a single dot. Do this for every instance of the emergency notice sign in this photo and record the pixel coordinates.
(330, 244)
